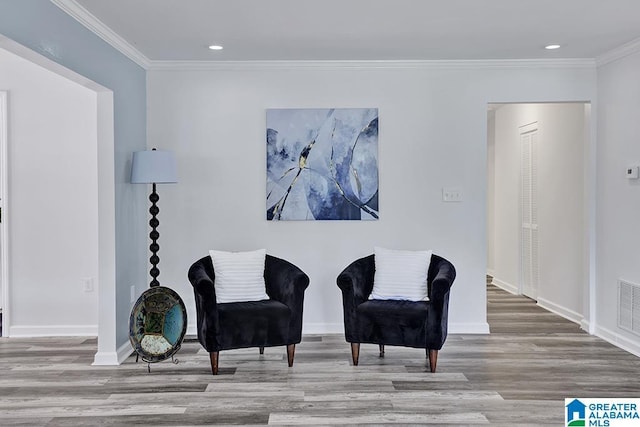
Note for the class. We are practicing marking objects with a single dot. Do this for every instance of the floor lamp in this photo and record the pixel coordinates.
(154, 167)
(158, 320)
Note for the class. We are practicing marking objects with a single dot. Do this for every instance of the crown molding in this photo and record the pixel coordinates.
(84, 17)
(368, 65)
(618, 53)
(93, 24)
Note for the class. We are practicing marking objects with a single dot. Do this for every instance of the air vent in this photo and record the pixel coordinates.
(629, 306)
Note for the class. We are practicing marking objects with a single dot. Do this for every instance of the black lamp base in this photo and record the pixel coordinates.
(154, 235)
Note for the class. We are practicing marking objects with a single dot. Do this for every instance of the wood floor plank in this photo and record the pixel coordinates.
(377, 417)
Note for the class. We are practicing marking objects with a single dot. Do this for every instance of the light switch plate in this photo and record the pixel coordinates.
(87, 284)
(632, 172)
(451, 195)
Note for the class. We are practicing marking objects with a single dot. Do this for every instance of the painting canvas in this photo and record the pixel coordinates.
(322, 164)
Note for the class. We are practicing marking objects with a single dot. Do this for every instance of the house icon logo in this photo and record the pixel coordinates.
(576, 413)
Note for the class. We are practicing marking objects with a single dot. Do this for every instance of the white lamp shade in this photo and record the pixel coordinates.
(153, 166)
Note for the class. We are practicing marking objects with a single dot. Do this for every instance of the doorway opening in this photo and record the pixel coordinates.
(537, 219)
(96, 138)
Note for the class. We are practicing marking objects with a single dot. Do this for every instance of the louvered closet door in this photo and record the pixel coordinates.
(529, 211)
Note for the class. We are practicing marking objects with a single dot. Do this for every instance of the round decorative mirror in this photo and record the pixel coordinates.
(157, 324)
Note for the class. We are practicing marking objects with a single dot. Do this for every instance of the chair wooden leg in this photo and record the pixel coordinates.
(291, 352)
(381, 350)
(433, 360)
(214, 362)
(261, 350)
(355, 352)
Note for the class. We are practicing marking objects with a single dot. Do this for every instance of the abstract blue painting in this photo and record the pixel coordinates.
(322, 164)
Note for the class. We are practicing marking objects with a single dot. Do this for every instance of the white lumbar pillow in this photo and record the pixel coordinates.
(239, 275)
(401, 275)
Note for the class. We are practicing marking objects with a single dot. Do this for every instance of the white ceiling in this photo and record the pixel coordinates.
(264, 30)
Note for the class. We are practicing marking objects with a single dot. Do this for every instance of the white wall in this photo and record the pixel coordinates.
(618, 206)
(561, 198)
(506, 178)
(491, 187)
(432, 135)
(52, 212)
(561, 178)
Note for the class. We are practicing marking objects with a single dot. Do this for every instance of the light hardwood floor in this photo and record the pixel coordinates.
(517, 375)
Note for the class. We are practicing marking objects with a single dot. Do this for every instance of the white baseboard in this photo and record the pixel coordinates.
(111, 358)
(512, 289)
(469, 328)
(105, 358)
(191, 330)
(560, 311)
(585, 325)
(307, 329)
(618, 340)
(124, 351)
(53, 331)
(338, 328)
(322, 328)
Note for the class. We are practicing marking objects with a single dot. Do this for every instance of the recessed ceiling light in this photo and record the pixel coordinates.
(215, 47)
(552, 46)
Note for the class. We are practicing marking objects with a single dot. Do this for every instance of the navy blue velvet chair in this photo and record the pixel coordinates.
(421, 324)
(268, 323)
